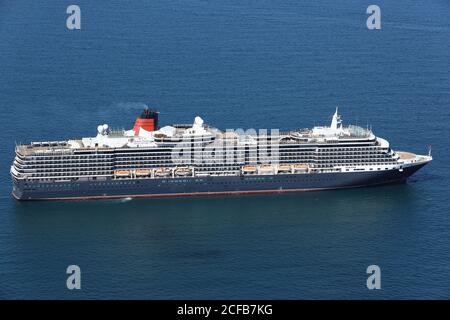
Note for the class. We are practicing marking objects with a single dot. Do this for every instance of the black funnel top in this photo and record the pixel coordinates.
(149, 114)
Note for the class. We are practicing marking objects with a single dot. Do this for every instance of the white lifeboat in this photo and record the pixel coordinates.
(300, 168)
(284, 168)
(122, 173)
(183, 171)
(266, 169)
(162, 172)
(143, 172)
(249, 169)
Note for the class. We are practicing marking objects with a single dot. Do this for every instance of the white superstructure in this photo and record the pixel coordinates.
(203, 150)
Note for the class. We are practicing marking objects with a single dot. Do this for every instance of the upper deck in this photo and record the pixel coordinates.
(108, 139)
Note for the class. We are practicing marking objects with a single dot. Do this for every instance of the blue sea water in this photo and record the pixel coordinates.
(238, 64)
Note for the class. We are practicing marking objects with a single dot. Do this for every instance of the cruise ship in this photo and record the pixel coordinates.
(198, 159)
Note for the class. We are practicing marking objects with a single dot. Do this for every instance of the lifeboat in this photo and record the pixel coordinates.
(284, 168)
(266, 168)
(249, 169)
(143, 172)
(300, 168)
(183, 171)
(122, 173)
(162, 172)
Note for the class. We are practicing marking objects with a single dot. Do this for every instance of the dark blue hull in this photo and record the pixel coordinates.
(188, 186)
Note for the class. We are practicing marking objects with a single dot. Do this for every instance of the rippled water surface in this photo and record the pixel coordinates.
(238, 64)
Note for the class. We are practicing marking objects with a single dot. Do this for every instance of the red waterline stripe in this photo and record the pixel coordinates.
(167, 195)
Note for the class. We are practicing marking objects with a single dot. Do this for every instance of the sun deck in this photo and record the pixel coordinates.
(406, 155)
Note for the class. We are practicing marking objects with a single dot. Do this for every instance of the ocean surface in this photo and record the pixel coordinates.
(238, 64)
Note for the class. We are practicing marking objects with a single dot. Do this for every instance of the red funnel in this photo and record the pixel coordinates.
(148, 121)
